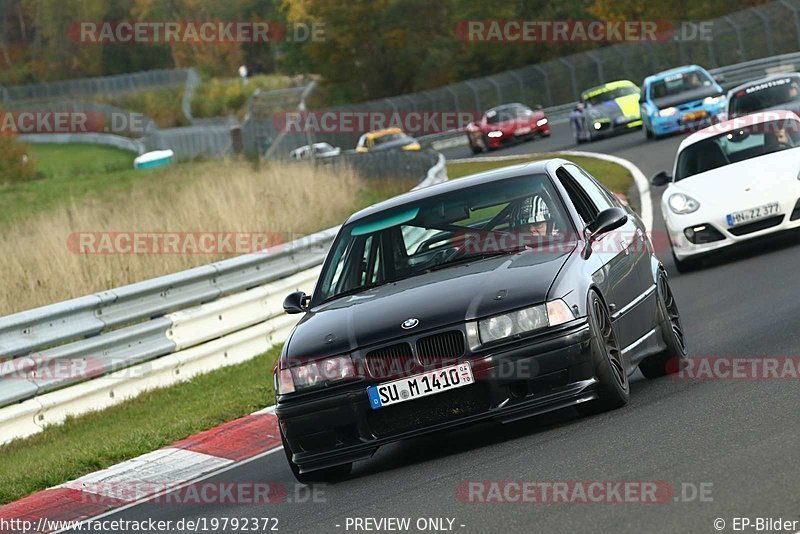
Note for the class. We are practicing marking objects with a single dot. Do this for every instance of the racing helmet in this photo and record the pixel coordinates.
(533, 210)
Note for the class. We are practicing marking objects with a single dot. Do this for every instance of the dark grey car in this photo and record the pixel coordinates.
(497, 296)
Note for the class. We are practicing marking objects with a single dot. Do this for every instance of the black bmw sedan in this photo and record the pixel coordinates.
(498, 296)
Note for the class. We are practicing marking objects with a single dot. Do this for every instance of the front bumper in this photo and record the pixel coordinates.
(512, 136)
(789, 219)
(525, 378)
(613, 126)
(678, 123)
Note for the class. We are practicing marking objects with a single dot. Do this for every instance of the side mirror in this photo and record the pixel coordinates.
(719, 78)
(660, 178)
(296, 302)
(606, 221)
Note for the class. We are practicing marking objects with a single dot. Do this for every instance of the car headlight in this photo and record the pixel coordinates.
(541, 122)
(711, 100)
(495, 133)
(314, 374)
(667, 112)
(597, 125)
(524, 321)
(680, 203)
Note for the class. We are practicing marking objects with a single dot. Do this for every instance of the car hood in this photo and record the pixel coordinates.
(624, 106)
(512, 124)
(436, 299)
(759, 180)
(687, 96)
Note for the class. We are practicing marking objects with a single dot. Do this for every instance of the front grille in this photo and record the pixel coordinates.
(394, 360)
(431, 410)
(439, 348)
(763, 224)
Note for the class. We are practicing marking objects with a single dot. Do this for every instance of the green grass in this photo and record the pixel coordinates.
(152, 420)
(157, 418)
(70, 174)
(613, 176)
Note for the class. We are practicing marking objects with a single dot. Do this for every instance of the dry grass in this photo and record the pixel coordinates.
(221, 196)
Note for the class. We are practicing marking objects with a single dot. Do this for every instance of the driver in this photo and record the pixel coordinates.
(533, 217)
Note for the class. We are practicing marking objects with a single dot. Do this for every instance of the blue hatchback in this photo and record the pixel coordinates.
(680, 99)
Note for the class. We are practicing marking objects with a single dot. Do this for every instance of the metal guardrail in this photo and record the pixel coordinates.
(152, 333)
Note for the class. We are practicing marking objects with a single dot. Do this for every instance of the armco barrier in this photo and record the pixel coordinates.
(153, 333)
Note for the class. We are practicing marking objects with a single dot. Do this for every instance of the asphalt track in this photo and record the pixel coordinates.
(737, 437)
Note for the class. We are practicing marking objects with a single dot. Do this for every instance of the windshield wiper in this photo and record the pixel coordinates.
(477, 256)
(350, 292)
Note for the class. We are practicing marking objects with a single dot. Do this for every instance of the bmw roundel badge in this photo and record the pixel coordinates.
(409, 323)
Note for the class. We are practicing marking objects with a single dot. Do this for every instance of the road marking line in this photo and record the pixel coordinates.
(136, 478)
(205, 476)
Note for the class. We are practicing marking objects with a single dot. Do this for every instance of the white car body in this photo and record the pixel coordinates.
(732, 188)
(321, 150)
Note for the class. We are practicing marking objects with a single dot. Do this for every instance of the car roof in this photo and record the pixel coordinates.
(494, 175)
(765, 79)
(674, 70)
(385, 131)
(609, 85)
(733, 124)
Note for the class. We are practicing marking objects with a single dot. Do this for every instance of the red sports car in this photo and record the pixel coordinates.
(505, 124)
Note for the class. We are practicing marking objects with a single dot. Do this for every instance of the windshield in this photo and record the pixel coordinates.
(387, 138)
(732, 147)
(595, 98)
(680, 83)
(507, 113)
(769, 94)
(444, 230)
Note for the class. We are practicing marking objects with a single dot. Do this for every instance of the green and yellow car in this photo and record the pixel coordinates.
(605, 110)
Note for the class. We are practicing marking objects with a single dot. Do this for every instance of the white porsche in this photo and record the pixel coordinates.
(733, 181)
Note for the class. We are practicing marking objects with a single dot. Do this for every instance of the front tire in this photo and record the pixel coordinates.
(329, 474)
(668, 361)
(613, 387)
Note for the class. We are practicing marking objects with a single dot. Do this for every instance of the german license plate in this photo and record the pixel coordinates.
(744, 216)
(522, 131)
(695, 115)
(421, 385)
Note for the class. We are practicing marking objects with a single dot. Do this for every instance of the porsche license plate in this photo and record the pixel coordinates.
(694, 116)
(421, 385)
(745, 216)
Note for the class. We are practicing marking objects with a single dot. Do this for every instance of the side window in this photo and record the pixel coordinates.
(583, 204)
(598, 194)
